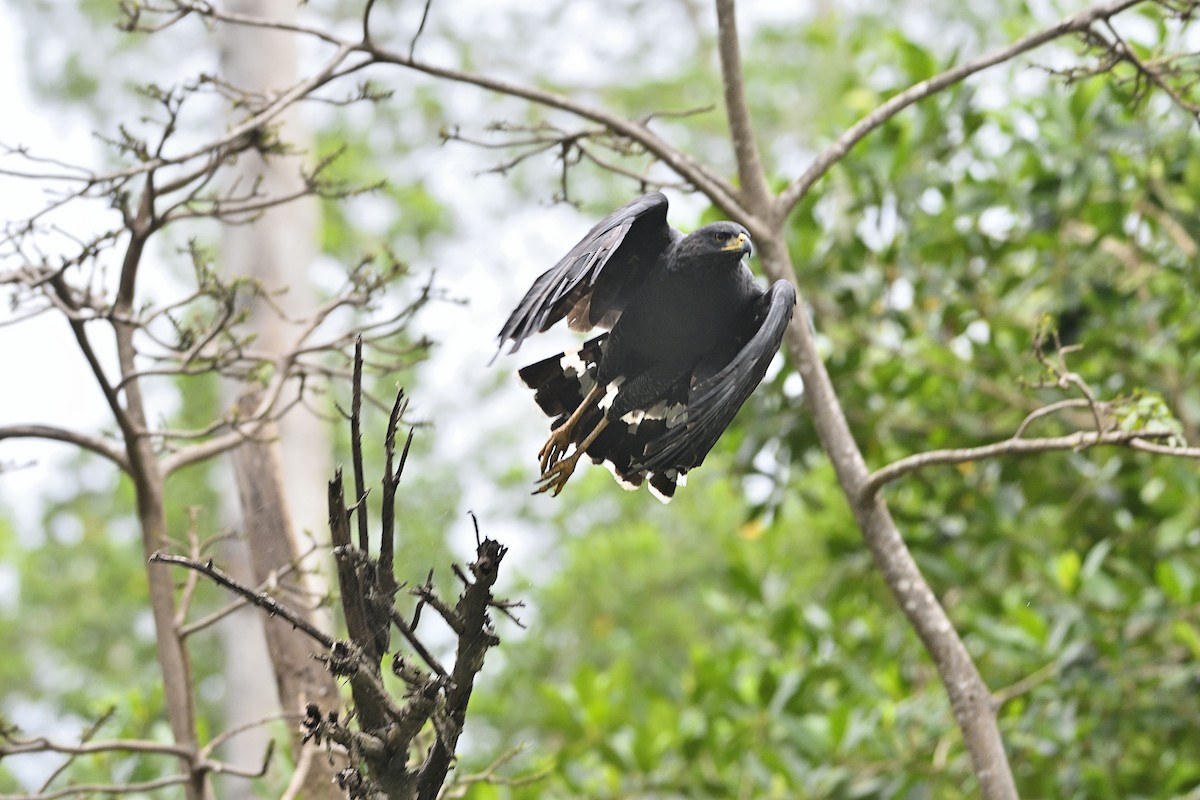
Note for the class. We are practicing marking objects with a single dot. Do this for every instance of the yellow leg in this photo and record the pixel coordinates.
(556, 476)
(560, 437)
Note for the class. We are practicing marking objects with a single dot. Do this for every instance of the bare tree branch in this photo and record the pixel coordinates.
(1074, 442)
(240, 136)
(1052, 408)
(1164, 449)
(221, 613)
(1149, 72)
(300, 774)
(64, 295)
(490, 775)
(412, 46)
(221, 738)
(638, 131)
(260, 599)
(751, 174)
(969, 696)
(686, 167)
(43, 745)
(104, 789)
(1006, 694)
(55, 434)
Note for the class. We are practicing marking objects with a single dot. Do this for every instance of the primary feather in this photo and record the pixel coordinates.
(691, 335)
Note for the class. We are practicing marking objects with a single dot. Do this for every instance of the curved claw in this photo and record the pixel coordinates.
(557, 475)
(554, 448)
(560, 438)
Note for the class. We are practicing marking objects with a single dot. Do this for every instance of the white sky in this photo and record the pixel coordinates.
(43, 379)
(36, 356)
(495, 252)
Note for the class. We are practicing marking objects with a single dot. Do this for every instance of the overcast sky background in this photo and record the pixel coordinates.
(32, 387)
(496, 249)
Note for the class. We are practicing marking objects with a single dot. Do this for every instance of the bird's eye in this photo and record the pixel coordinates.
(723, 236)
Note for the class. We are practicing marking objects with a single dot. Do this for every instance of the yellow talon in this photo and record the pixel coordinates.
(555, 477)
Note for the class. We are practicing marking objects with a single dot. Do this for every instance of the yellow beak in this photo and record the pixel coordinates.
(742, 242)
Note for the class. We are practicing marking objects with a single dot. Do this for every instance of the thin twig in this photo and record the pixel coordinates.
(260, 599)
(1053, 408)
(300, 774)
(227, 734)
(57, 434)
(360, 494)
(184, 603)
(462, 783)
(1002, 696)
(720, 191)
(104, 789)
(43, 745)
(391, 481)
(85, 738)
(411, 636)
(222, 768)
(213, 618)
(1165, 449)
(412, 46)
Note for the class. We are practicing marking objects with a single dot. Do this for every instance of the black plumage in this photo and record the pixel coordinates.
(691, 335)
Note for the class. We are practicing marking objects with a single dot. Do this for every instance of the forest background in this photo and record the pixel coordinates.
(740, 642)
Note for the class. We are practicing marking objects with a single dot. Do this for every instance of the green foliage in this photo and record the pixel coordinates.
(78, 636)
(730, 650)
(692, 652)
(79, 640)
(741, 643)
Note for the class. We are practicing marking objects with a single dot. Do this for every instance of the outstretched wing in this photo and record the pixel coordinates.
(592, 284)
(713, 403)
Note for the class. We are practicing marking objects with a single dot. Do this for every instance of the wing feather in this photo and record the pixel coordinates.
(594, 281)
(715, 401)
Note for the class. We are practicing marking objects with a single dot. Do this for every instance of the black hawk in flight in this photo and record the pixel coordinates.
(690, 335)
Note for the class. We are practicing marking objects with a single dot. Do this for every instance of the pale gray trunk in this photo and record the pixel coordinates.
(280, 483)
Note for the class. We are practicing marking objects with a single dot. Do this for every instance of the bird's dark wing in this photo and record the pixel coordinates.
(592, 284)
(714, 401)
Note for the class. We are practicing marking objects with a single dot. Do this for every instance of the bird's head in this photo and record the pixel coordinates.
(718, 243)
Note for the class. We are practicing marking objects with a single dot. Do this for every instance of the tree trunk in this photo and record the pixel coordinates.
(281, 474)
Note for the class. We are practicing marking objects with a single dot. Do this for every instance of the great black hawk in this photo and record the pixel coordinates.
(690, 336)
